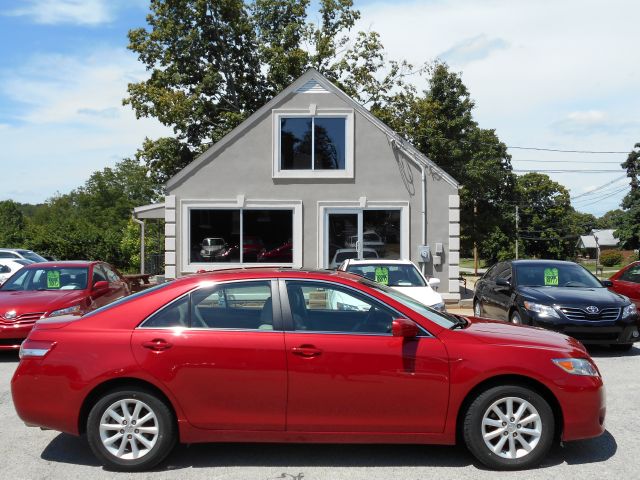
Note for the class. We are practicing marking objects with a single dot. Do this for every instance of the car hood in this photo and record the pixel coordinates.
(38, 301)
(425, 295)
(501, 333)
(573, 296)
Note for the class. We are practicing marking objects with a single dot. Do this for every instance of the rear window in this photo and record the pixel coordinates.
(128, 299)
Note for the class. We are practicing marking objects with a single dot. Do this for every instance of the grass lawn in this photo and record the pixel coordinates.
(468, 263)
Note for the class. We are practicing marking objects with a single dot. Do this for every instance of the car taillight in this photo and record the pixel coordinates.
(35, 348)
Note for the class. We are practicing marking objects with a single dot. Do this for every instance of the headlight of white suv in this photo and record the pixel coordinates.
(541, 310)
(66, 311)
(629, 310)
(577, 366)
(439, 307)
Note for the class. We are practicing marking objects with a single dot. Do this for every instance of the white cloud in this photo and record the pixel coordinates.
(474, 48)
(70, 122)
(78, 12)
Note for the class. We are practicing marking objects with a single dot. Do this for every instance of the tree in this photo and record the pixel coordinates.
(629, 228)
(215, 62)
(11, 224)
(545, 208)
(611, 219)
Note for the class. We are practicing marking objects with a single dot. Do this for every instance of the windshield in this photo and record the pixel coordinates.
(443, 319)
(393, 275)
(555, 275)
(34, 257)
(53, 278)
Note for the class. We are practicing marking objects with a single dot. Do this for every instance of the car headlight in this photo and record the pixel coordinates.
(577, 366)
(629, 310)
(541, 310)
(65, 311)
(439, 306)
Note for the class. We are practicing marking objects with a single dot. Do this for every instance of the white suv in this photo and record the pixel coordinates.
(401, 275)
(13, 253)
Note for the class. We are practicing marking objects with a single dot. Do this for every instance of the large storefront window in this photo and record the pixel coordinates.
(241, 236)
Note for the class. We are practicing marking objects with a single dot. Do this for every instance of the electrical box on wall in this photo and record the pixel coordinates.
(439, 249)
(424, 252)
(437, 260)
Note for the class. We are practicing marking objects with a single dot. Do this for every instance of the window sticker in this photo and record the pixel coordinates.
(53, 279)
(382, 275)
(551, 277)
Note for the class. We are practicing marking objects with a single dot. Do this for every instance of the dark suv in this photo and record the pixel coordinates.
(560, 296)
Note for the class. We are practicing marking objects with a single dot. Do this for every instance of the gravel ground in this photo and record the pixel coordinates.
(29, 453)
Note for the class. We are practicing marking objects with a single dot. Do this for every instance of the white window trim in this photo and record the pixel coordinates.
(313, 111)
(239, 203)
(325, 207)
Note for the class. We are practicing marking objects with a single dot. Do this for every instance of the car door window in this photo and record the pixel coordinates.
(631, 275)
(322, 307)
(175, 314)
(98, 275)
(236, 305)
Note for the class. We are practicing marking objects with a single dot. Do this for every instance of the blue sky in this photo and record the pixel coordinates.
(560, 74)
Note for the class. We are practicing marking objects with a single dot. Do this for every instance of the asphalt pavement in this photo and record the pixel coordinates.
(29, 453)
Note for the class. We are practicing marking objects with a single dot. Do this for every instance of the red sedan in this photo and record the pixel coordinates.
(51, 289)
(268, 355)
(626, 281)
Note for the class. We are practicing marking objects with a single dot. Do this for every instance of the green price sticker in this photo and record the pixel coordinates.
(382, 275)
(551, 277)
(53, 279)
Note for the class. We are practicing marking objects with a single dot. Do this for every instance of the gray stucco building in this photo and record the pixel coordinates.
(310, 179)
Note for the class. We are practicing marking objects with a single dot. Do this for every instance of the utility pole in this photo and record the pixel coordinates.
(475, 244)
(517, 232)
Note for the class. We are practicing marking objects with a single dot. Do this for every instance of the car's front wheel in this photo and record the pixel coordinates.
(130, 430)
(509, 427)
(477, 308)
(515, 318)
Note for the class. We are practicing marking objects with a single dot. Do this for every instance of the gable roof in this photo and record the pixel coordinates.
(598, 238)
(311, 81)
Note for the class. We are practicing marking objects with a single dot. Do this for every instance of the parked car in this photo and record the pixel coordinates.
(13, 253)
(210, 246)
(370, 239)
(51, 289)
(344, 253)
(280, 254)
(251, 248)
(178, 362)
(401, 275)
(9, 267)
(561, 296)
(626, 281)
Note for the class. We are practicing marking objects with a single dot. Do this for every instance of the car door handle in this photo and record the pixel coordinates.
(157, 345)
(306, 351)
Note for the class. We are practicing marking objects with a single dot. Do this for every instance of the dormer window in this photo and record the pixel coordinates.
(318, 145)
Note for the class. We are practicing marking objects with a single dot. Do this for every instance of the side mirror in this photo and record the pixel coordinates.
(403, 327)
(503, 282)
(101, 286)
(434, 282)
(606, 283)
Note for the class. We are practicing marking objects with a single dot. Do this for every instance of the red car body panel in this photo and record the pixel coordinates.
(249, 386)
(625, 287)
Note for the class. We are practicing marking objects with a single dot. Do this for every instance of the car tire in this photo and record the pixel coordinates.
(515, 318)
(499, 441)
(477, 308)
(133, 449)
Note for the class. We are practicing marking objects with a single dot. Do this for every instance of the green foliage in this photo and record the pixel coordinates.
(545, 218)
(609, 258)
(215, 62)
(611, 219)
(88, 223)
(11, 224)
(629, 227)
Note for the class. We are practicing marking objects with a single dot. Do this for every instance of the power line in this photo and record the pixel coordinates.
(617, 179)
(541, 149)
(602, 198)
(612, 162)
(531, 170)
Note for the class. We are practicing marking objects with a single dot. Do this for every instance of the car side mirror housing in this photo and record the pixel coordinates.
(100, 286)
(606, 283)
(434, 283)
(503, 282)
(403, 327)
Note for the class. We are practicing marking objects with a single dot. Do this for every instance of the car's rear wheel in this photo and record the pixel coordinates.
(509, 427)
(131, 430)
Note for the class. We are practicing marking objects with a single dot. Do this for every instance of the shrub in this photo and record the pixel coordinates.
(611, 258)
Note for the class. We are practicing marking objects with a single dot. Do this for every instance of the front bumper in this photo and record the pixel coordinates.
(593, 332)
(584, 408)
(12, 334)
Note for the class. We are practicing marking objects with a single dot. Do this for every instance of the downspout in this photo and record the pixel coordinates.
(424, 213)
(141, 223)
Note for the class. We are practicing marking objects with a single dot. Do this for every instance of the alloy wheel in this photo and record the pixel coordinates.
(511, 427)
(129, 429)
